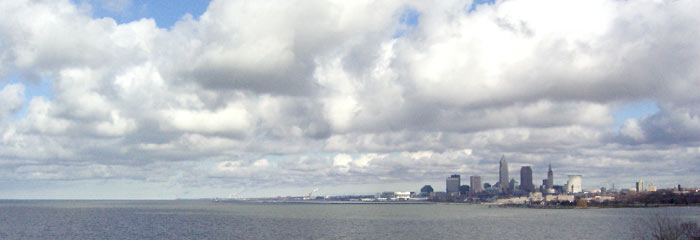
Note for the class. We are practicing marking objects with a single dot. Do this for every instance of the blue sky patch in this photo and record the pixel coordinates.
(31, 90)
(165, 12)
(408, 19)
(635, 110)
(479, 2)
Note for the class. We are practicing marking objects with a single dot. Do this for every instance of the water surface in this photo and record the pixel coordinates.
(209, 220)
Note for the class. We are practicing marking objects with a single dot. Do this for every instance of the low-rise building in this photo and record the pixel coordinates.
(402, 196)
(438, 196)
(599, 199)
(559, 198)
(387, 195)
(651, 188)
(535, 197)
(513, 200)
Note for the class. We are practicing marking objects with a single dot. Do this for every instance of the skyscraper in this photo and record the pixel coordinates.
(550, 178)
(640, 186)
(475, 182)
(503, 175)
(526, 179)
(452, 183)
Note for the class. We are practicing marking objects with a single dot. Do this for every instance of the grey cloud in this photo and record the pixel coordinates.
(298, 80)
(611, 57)
(672, 124)
(278, 54)
(12, 98)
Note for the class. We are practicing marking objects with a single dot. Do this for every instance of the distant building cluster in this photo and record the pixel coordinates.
(505, 187)
(510, 191)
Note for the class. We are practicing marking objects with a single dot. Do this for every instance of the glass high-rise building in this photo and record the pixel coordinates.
(452, 183)
(550, 178)
(640, 186)
(503, 174)
(475, 182)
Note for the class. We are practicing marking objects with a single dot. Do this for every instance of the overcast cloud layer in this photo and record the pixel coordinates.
(266, 98)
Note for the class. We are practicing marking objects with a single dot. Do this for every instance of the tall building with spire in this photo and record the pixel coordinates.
(550, 178)
(503, 175)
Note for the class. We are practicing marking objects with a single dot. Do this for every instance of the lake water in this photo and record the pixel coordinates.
(209, 220)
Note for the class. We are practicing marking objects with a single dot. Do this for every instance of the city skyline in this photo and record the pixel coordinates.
(137, 99)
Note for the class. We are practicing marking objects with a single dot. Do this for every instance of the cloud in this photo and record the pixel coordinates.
(12, 98)
(673, 124)
(230, 119)
(287, 93)
(277, 53)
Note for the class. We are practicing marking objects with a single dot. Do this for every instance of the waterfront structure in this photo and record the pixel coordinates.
(598, 199)
(640, 186)
(559, 198)
(402, 196)
(535, 197)
(387, 195)
(452, 183)
(438, 196)
(475, 182)
(550, 178)
(503, 175)
(573, 185)
(511, 200)
(526, 179)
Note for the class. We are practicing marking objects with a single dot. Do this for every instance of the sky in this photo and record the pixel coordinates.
(134, 99)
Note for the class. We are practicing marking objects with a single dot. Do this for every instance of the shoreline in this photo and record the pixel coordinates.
(536, 206)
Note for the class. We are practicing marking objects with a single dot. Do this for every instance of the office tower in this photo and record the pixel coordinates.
(503, 175)
(574, 184)
(543, 187)
(452, 183)
(550, 178)
(640, 186)
(512, 185)
(475, 182)
(526, 179)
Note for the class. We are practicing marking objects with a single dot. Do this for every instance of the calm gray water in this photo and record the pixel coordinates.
(208, 220)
